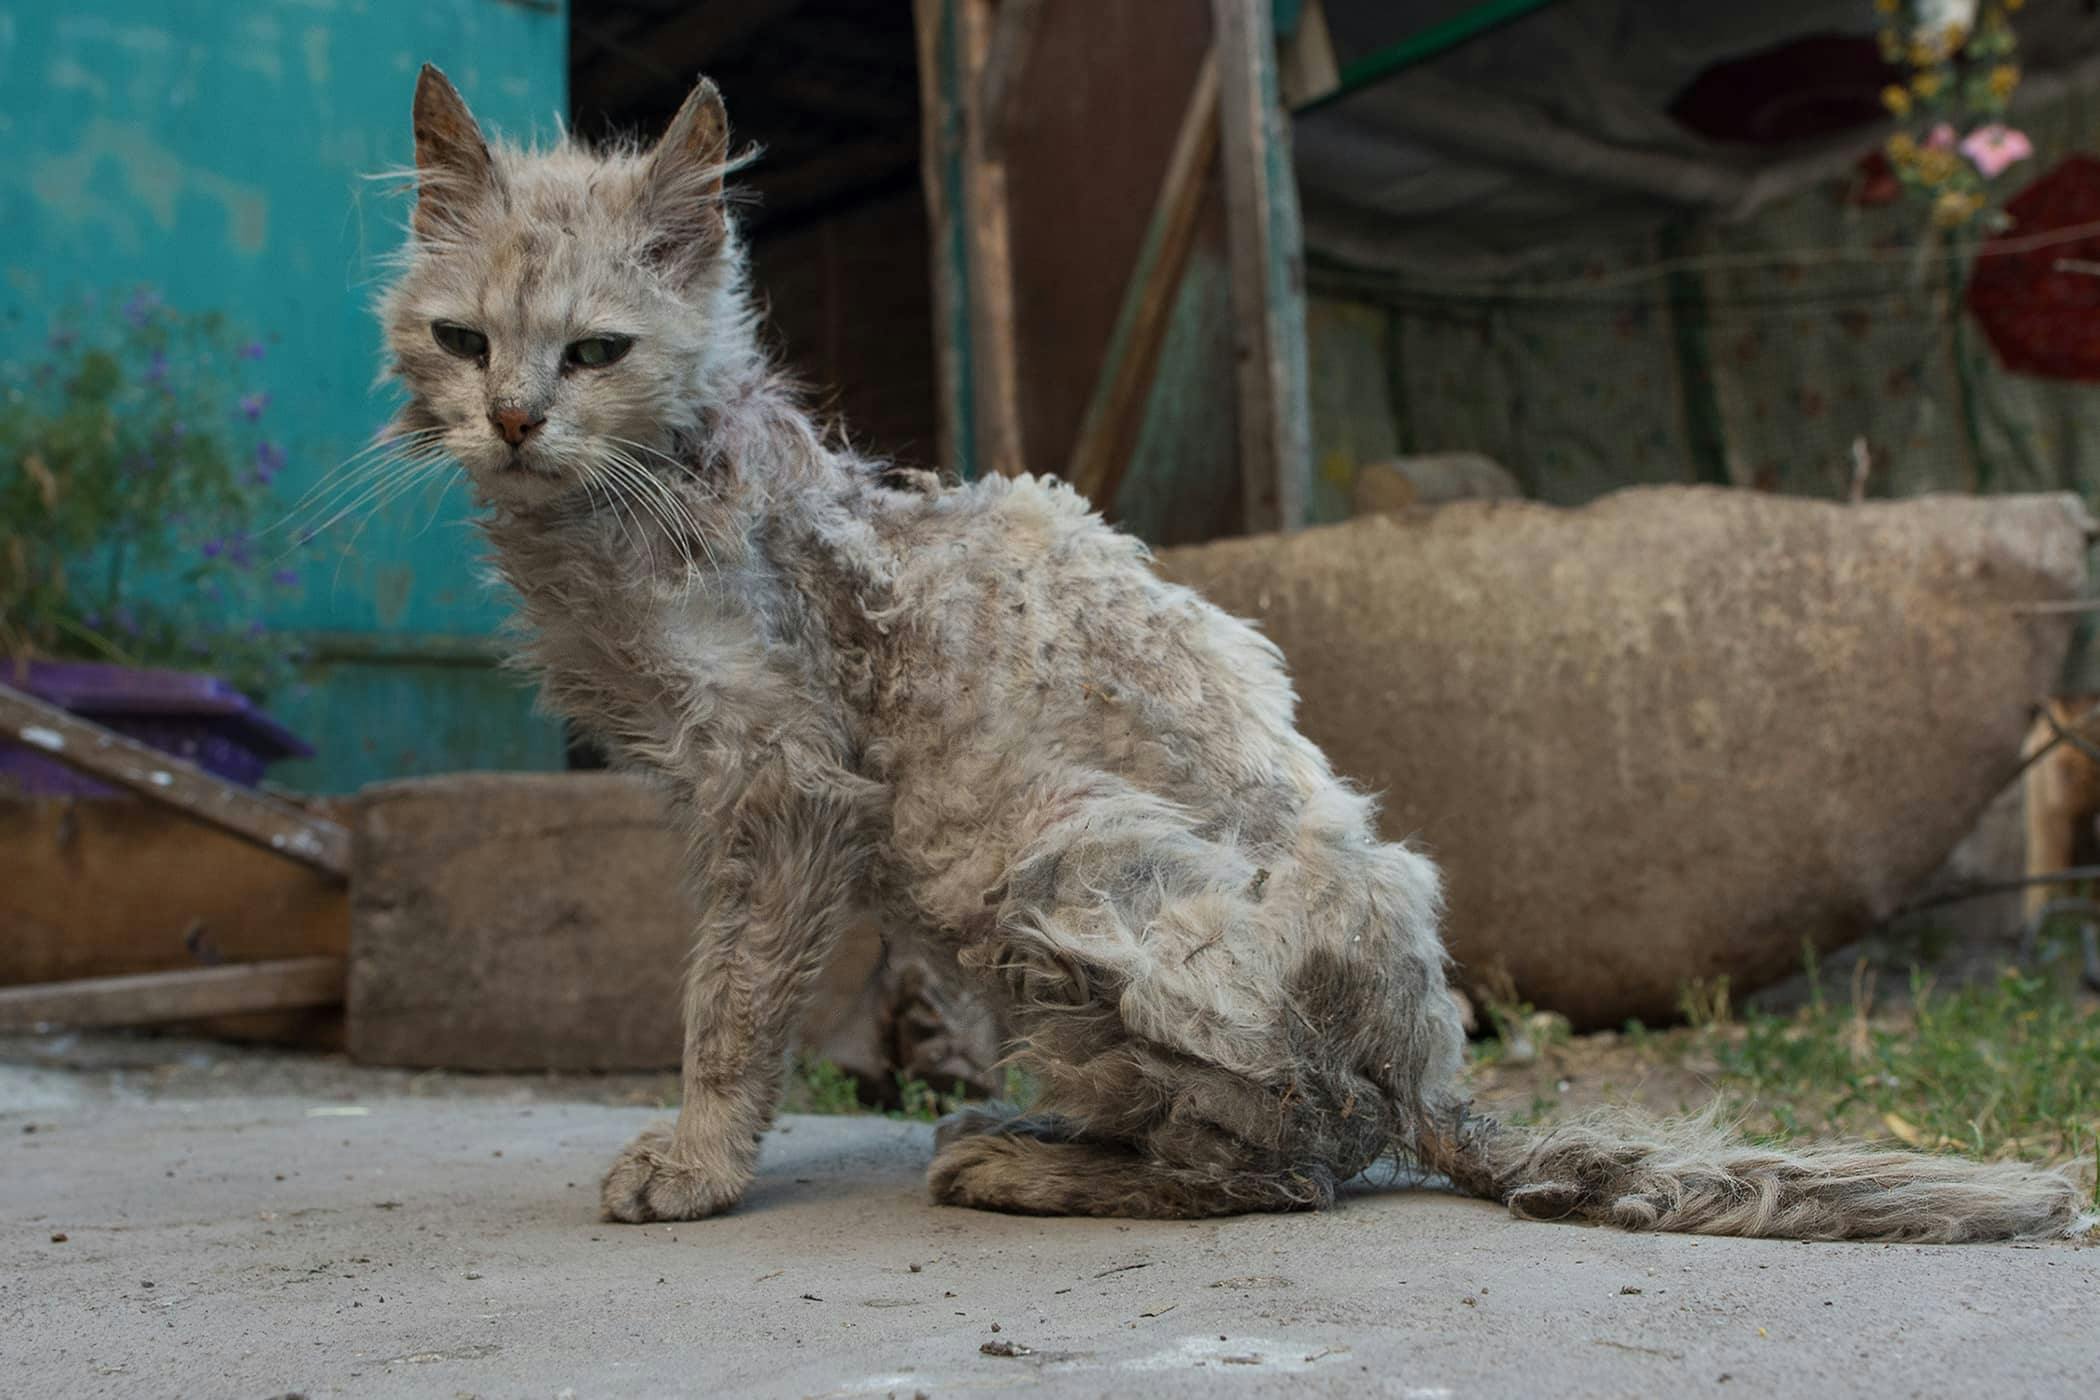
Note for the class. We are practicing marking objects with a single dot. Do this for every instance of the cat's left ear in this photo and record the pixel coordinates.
(684, 178)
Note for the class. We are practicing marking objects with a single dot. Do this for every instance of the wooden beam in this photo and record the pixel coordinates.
(90, 748)
(1268, 271)
(972, 254)
(156, 997)
(940, 175)
(1013, 33)
(2061, 795)
(993, 350)
(1116, 410)
(1308, 69)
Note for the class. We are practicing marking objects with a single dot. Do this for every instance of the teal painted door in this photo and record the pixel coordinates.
(220, 152)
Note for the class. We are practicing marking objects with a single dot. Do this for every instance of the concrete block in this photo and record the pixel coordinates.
(1676, 733)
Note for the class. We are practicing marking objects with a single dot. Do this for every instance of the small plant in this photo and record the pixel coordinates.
(135, 470)
(2007, 1068)
(1961, 58)
(1705, 1003)
(919, 1102)
(822, 1087)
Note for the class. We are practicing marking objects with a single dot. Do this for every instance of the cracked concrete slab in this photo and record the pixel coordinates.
(385, 1245)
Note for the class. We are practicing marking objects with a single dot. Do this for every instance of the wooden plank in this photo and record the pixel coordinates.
(1114, 414)
(1013, 30)
(986, 232)
(1309, 71)
(940, 174)
(152, 998)
(113, 886)
(265, 820)
(1268, 271)
(2061, 795)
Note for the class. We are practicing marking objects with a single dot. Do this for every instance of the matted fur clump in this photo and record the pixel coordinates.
(976, 712)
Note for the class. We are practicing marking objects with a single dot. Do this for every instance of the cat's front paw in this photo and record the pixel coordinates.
(647, 1183)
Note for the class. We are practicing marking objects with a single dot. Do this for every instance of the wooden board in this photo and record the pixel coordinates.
(103, 887)
(269, 822)
(1108, 436)
(158, 998)
(1268, 272)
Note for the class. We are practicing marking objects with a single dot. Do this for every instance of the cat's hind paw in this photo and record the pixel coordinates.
(647, 1183)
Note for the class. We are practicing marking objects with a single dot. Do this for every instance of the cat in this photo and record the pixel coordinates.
(974, 709)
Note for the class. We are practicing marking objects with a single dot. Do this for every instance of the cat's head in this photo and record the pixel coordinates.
(561, 315)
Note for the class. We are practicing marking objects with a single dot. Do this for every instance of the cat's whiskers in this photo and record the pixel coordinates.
(653, 494)
(353, 471)
(389, 480)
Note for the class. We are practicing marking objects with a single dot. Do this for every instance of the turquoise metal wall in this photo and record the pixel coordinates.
(217, 150)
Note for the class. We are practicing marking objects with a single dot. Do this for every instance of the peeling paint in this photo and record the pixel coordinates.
(315, 44)
(155, 179)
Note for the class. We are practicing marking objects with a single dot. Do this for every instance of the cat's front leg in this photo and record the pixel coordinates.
(776, 898)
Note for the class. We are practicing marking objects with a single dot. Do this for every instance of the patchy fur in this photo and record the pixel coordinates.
(978, 711)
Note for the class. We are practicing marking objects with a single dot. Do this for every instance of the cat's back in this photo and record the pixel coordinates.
(1020, 617)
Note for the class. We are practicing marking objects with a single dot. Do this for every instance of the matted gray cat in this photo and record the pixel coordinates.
(976, 711)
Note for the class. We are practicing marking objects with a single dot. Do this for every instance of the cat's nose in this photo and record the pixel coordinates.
(516, 424)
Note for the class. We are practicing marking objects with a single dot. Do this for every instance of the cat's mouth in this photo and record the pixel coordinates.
(521, 475)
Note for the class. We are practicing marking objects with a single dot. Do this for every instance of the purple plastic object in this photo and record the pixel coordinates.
(200, 718)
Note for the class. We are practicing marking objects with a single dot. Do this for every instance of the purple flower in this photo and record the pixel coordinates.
(93, 619)
(252, 405)
(126, 622)
(157, 369)
(285, 578)
(256, 628)
(269, 460)
(140, 308)
(177, 429)
(212, 548)
(253, 350)
(237, 550)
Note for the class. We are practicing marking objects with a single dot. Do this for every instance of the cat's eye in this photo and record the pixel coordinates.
(597, 351)
(463, 341)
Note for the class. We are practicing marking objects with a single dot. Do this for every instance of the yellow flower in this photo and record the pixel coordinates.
(1954, 208)
(1925, 84)
(1902, 148)
(2004, 78)
(2014, 5)
(1891, 45)
(1937, 167)
(1896, 100)
(1886, 7)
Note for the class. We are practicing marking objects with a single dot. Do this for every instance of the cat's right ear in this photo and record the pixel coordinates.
(454, 170)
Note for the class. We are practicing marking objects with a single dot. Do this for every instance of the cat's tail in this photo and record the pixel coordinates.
(1694, 1176)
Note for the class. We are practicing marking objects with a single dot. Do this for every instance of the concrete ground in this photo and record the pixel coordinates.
(255, 1226)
